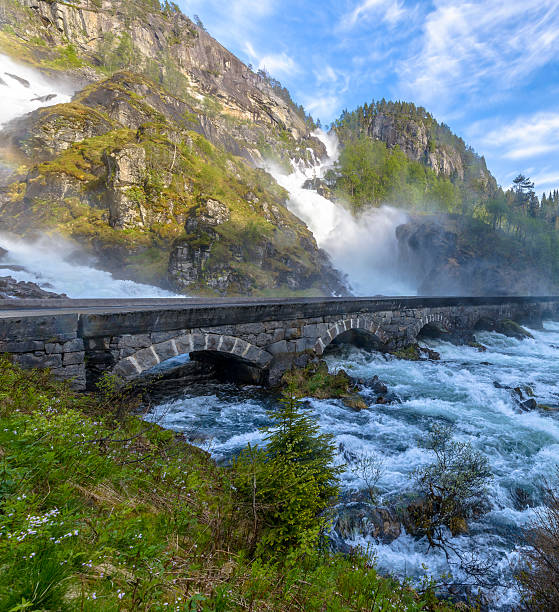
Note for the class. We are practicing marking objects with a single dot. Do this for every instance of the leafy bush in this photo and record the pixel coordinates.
(453, 488)
(539, 580)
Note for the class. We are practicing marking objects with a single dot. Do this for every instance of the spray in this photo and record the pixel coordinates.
(365, 248)
(24, 89)
(46, 262)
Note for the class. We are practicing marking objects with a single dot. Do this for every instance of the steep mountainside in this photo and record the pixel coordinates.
(421, 138)
(152, 165)
(465, 234)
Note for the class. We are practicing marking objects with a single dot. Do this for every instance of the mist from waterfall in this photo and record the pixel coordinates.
(52, 263)
(24, 89)
(365, 247)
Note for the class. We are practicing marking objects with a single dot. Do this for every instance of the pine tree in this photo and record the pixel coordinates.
(291, 483)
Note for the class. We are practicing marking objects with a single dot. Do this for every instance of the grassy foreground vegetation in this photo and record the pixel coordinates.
(102, 511)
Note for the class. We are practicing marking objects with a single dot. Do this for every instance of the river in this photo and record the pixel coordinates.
(459, 390)
(521, 447)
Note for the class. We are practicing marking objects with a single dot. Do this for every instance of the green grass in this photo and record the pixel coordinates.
(105, 512)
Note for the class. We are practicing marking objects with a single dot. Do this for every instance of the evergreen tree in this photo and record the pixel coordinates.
(291, 483)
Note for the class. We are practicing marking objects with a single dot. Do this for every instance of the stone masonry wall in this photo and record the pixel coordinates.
(75, 352)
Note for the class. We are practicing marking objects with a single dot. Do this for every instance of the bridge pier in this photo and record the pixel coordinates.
(80, 340)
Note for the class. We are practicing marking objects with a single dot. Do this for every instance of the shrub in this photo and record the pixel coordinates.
(290, 485)
(539, 581)
(453, 487)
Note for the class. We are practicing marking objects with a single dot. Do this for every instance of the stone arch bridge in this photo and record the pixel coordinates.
(81, 339)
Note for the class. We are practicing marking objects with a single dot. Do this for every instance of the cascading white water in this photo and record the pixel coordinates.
(50, 263)
(23, 89)
(522, 447)
(364, 247)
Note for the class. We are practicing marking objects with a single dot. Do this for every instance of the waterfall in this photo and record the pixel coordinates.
(24, 89)
(51, 262)
(363, 247)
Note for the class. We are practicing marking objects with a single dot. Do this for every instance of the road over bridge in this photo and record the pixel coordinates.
(81, 339)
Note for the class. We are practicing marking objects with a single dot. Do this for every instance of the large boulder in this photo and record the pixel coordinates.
(361, 519)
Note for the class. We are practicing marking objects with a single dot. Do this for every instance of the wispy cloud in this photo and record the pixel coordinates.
(545, 179)
(276, 64)
(325, 107)
(467, 47)
(279, 64)
(390, 11)
(242, 16)
(525, 137)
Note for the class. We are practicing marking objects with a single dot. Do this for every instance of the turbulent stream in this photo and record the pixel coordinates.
(459, 390)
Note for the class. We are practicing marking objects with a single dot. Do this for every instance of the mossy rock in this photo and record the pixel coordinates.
(512, 329)
(409, 353)
(356, 403)
(314, 380)
(480, 347)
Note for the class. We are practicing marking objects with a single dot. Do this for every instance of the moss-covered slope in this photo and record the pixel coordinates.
(152, 168)
(128, 177)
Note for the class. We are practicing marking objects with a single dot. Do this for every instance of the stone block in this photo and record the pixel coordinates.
(227, 343)
(292, 333)
(69, 359)
(166, 350)
(134, 341)
(74, 375)
(303, 344)
(125, 369)
(271, 325)
(258, 358)
(96, 344)
(146, 358)
(264, 339)
(25, 346)
(158, 337)
(249, 328)
(225, 330)
(51, 328)
(277, 348)
(311, 331)
(211, 342)
(279, 334)
(185, 344)
(53, 347)
(29, 360)
(73, 346)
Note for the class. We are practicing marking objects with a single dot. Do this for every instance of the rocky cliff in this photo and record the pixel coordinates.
(152, 166)
(455, 255)
(421, 138)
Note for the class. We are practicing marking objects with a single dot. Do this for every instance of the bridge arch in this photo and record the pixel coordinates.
(144, 359)
(347, 327)
(434, 324)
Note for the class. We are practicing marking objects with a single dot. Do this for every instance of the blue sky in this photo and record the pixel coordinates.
(490, 70)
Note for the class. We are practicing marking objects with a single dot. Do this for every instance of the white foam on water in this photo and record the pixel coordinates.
(50, 263)
(521, 447)
(365, 247)
(19, 99)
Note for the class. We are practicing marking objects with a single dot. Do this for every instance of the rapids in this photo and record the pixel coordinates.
(52, 263)
(459, 390)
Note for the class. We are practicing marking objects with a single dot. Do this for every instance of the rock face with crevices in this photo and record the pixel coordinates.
(152, 167)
